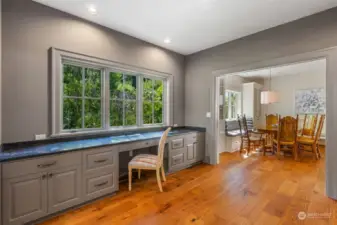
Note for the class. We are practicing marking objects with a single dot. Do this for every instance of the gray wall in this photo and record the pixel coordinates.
(308, 34)
(30, 29)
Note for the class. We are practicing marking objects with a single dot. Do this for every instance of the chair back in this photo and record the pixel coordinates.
(161, 147)
(287, 129)
(271, 120)
(320, 128)
(243, 127)
(309, 125)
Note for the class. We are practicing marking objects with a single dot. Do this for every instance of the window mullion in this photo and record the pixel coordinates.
(123, 102)
(106, 99)
(152, 101)
(139, 106)
(83, 94)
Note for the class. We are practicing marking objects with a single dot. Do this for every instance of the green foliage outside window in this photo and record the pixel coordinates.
(82, 99)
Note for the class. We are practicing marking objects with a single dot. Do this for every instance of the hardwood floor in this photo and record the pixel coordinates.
(258, 190)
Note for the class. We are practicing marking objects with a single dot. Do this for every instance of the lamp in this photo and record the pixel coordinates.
(268, 97)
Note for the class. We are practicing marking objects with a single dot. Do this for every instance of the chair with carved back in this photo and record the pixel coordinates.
(309, 125)
(150, 162)
(246, 137)
(271, 122)
(310, 143)
(286, 136)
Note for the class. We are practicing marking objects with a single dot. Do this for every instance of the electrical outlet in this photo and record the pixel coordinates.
(40, 136)
(175, 125)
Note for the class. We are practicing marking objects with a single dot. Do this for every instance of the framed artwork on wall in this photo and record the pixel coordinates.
(310, 101)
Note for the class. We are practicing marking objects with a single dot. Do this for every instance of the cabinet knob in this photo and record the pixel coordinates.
(50, 175)
(44, 176)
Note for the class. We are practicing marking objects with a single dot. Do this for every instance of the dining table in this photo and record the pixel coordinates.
(270, 131)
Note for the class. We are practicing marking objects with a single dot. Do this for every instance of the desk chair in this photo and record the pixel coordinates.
(150, 162)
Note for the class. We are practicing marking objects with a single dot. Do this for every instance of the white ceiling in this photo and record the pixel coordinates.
(310, 67)
(192, 25)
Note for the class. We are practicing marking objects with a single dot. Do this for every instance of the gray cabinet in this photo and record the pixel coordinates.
(24, 198)
(64, 188)
(185, 150)
(100, 172)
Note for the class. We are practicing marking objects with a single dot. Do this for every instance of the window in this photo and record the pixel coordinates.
(153, 101)
(232, 104)
(123, 100)
(97, 95)
(82, 95)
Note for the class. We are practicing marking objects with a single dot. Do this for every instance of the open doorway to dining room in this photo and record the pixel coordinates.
(252, 105)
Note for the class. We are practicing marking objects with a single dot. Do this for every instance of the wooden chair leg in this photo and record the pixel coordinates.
(318, 151)
(163, 173)
(158, 180)
(278, 151)
(314, 150)
(241, 146)
(248, 148)
(139, 173)
(264, 146)
(295, 152)
(130, 178)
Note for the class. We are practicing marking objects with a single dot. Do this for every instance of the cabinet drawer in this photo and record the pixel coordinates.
(100, 184)
(177, 157)
(177, 143)
(138, 145)
(40, 164)
(99, 158)
(191, 138)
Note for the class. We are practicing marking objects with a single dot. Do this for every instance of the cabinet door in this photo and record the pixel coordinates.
(64, 188)
(200, 150)
(24, 198)
(190, 155)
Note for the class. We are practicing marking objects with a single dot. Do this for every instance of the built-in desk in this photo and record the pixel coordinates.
(39, 181)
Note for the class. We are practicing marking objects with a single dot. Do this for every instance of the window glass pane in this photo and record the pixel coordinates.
(147, 89)
(158, 90)
(92, 83)
(158, 112)
(72, 113)
(116, 113)
(130, 87)
(92, 113)
(130, 113)
(72, 80)
(116, 85)
(147, 112)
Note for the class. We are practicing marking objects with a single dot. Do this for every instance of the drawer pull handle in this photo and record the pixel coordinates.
(101, 184)
(101, 161)
(46, 165)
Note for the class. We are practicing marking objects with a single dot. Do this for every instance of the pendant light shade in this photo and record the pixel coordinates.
(268, 97)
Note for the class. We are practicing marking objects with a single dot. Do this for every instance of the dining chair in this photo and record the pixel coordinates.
(286, 135)
(246, 137)
(309, 125)
(271, 122)
(310, 143)
(150, 162)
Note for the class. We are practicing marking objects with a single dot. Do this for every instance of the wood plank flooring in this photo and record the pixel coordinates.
(258, 190)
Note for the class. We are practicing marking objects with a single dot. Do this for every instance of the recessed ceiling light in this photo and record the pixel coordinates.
(92, 9)
(167, 40)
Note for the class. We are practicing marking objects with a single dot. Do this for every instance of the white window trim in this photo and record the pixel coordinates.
(229, 111)
(59, 56)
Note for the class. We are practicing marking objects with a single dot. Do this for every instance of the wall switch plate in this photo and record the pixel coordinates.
(208, 114)
(40, 136)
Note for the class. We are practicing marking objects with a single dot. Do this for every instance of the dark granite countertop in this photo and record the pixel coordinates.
(66, 146)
